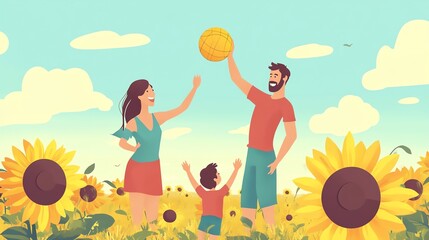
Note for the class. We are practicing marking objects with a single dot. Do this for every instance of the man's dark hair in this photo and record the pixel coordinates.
(282, 68)
(207, 176)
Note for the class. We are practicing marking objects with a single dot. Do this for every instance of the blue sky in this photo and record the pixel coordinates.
(39, 35)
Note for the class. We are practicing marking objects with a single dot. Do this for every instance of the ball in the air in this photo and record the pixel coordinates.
(215, 44)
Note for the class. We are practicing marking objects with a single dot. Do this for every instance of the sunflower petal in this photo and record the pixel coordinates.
(310, 199)
(349, 154)
(384, 166)
(43, 218)
(333, 153)
(28, 210)
(66, 158)
(340, 233)
(311, 211)
(391, 180)
(398, 194)
(309, 184)
(390, 220)
(50, 149)
(368, 232)
(29, 151)
(397, 208)
(318, 225)
(318, 169)
(19, 157)
(58, 154)
(371, 156)
(328, 233)
(360, 152)
(317, 155)
(38, 150)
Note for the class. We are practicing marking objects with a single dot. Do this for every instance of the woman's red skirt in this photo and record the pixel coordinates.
(143, 177)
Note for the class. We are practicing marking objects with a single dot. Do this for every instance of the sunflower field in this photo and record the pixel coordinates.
(354, 194)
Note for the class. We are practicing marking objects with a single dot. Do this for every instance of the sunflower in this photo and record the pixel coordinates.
(353, 196)
(40, 181)
(168, 188)
(118, 195)
(425, 162)
(171, 216)
(415, 180)
(231, 223)
(287, 192)
(179, 189)
(89, 197)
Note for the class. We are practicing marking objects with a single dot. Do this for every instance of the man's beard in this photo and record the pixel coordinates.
(277, 87)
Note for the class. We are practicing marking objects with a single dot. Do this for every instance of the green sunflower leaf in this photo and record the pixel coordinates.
(182, 236)
(143, 234)
(259, 235)
(416, 222)
(65, 235)
(90, 169)
(304, 238)
(16, 233)
(296, 227)
(2, 170)
(405, 148)
(97, 223)
(121, 212)
(192, 236)
(65, 219)
(110, 183)
(247, 222)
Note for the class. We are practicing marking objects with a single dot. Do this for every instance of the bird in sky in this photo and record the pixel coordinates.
(347, 45)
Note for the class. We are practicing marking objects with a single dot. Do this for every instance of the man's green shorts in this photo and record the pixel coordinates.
(258, 185)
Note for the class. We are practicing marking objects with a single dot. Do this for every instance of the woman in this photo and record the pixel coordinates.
(143, 173)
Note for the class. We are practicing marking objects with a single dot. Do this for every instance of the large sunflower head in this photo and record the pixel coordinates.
(424, 162)
(353, 195)
(415, 179)
(118, 195)
(40, 181)
(90, 196)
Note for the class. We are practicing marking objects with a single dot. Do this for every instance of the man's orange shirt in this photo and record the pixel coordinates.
(266, 118)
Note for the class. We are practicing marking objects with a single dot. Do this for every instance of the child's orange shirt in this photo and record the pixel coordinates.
(212, 200)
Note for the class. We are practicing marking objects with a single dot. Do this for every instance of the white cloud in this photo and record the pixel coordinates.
(109, 39)
(46, 93)
(312, 50)
(407, 64)
(4, 43)
(409, 100)
(242, 130)
(352, 114)
(174, 133)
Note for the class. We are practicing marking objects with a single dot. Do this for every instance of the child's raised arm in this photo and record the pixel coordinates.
(237, 165)
(187, 169)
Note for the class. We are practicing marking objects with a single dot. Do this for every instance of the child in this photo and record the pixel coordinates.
(211, 219)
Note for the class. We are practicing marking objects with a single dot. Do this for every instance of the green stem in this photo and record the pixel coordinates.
(393, 150)
(34, 232)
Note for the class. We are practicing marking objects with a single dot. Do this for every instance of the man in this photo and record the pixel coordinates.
(259, 180)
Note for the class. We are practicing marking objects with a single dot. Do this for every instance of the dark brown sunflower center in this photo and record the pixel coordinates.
(88, 193)
(179, 189)
(120, 191)
(289, 217)
(44, 182)
(169, 216)
(286, 192)
(232, 213)
(351, 197)
(168, 189)
(416, 186)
